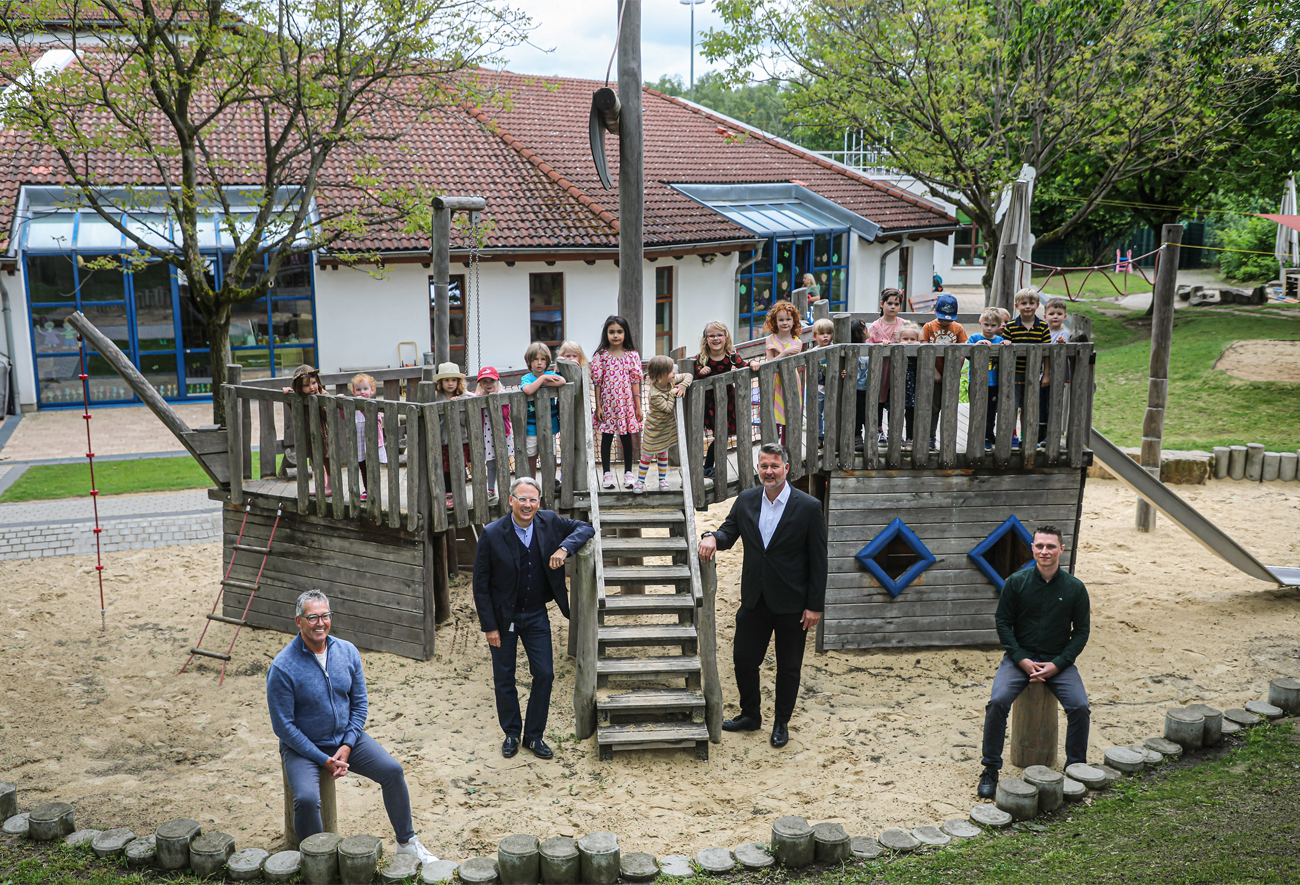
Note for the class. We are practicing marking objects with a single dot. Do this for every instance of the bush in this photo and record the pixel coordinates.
(1251, 235)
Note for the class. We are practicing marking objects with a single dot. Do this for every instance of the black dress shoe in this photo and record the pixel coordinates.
(988, 787)
(510, 746)
(540, 750)
(742, 723)
(780, 734)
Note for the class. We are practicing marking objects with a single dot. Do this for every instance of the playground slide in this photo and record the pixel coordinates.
(1161, 497)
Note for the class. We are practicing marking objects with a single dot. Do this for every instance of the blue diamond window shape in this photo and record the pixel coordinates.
(1004, 552)
(895, 557)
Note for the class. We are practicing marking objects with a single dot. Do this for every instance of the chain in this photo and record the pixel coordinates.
(478, 313)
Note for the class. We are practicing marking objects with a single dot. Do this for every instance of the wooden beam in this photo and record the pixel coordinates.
(1162, 336)
(631, 169)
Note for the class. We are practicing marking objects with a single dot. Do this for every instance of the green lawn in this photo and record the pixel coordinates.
(1228, 818)
(48, 481)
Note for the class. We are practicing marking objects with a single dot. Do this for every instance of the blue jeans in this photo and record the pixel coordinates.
(533, 629)
(1009, 682)
(368, 759)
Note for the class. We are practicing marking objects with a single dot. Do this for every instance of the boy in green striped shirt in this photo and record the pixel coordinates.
(1027, 328)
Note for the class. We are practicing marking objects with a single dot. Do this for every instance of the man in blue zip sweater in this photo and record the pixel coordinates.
(316, 693)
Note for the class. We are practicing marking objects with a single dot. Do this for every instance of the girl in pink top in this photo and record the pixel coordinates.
(616, 378)
(885, 331)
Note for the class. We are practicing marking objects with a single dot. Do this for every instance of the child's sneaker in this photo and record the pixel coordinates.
(629, 479)
(363, 496)
(1015, 442)
(638, 487)
(882, 439)
(608, 482)
(663, 486)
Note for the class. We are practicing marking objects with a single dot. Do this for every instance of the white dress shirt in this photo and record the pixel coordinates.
(769, 513)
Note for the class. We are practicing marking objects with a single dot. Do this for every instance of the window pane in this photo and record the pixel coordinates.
(50, 332)
(546, 290)
(663, 281)
(102, 285)
(51, 233)
(249, 324)
(193, 334)
(549, 331)
(94, 234)
(762, 293)
(291, 321)
(841, 253)
(837, 295)
(764, 263)
(289, 358)
(255, 267)
(50, 278)
(159, 369)
(198, 373)
(111, 320)
(822, 250)
(59, 383)
(255, 360)
(155, 327)
(293, 278)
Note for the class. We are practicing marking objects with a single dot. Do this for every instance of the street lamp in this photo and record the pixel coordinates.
(692, 4)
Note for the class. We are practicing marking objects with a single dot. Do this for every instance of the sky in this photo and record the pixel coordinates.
(581, 34)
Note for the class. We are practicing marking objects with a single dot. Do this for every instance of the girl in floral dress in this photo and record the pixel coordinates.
(616, 379)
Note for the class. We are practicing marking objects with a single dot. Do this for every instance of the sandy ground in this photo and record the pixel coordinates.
(100, 718)
(1261, 360)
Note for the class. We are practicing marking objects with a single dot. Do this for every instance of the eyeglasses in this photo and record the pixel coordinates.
(316, 619)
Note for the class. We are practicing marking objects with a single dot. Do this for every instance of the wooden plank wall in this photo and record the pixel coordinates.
(379, 580)
(951, 511)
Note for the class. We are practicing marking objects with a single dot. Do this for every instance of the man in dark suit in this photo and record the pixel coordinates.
(515, 577)
(782, 586)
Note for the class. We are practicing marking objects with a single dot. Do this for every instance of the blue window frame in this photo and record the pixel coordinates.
(150, 315)
(779, 270)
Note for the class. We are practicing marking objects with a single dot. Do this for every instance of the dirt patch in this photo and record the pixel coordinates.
(881, 738)
(1262, 361)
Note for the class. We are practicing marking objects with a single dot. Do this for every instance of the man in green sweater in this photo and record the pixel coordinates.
(1042, 621)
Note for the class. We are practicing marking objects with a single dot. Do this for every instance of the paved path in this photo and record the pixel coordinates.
(130, 522)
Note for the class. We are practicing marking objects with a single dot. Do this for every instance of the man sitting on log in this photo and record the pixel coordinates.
(1043, 623)
(316, 693)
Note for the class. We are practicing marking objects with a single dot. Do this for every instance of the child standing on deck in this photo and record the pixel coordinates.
(666, 386)
(364, 386)
(823, 334)
(572, 351)
(1027, 328)
(885, 331)
(538, 358)
(909, 333)
(943, 329)
(306, 382)
(990, 323)
(782, 326)
(616, 379)
(1054, 312)
(718, 355)
(449, 384)
(489, 382)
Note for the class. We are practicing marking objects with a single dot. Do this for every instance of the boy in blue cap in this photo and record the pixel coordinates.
(943, 329)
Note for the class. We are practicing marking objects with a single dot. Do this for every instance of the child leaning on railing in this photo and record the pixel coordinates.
(660, 431)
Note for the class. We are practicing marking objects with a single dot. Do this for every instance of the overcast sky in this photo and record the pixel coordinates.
(580, 35)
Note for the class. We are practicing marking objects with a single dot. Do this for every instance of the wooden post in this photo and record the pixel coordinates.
(1162, 334)
(706, 628)
(583, 623)
(329, 814)
(631, 170)
(442, 284)
(821, 309)
(1034, 729)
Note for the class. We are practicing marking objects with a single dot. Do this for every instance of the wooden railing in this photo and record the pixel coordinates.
(410, 491)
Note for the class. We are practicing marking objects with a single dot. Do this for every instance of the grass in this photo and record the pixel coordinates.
(1097, 285)
(1227, 817)
(44, 482)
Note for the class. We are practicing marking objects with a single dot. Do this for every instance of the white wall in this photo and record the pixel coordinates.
(360, 319)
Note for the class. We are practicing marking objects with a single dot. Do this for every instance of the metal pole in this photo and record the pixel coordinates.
(692, 50)
(442, 284)
(631, 172)
(1162, 334)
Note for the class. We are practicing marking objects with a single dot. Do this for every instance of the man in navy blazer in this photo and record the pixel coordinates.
(515, 577)
(782, 586)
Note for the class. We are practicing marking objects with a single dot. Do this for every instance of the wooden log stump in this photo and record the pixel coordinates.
(519, 860)
(8, 801)
(320, 858)
(1051, 786)
(599, 854)
(1017, 798)
(792, 842)
(559, 863)
(830, 843)
(51, 821)
(359, 859)
(1282, 692)
(329, 813)
(1185, 728)
(209, 853)
(245, 865)
(173, 843)
(1212, 732)
(1034, 728)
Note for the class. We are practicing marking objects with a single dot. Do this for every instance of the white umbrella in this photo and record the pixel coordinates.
(1287, 246)
(1013, 217)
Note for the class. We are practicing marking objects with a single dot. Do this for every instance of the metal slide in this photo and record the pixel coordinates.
(1163, 498)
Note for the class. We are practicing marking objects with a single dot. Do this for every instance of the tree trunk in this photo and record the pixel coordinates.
(218, 331)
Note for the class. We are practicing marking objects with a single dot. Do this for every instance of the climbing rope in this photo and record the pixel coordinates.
(94, 492)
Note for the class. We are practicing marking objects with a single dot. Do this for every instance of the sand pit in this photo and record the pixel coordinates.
(882, 738)
(1262, 361)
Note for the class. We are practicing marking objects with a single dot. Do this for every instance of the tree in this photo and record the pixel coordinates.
(961, 93)
(182, 107)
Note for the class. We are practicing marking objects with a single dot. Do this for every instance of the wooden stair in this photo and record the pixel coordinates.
(648, 672)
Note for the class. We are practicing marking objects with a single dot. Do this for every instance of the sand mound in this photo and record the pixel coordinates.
(880, 738)
(1262, 361)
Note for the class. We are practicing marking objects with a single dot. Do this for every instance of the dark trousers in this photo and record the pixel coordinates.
(1009, 682)
(533, 629)
(754, 629)
(607, 448)
(991, 416)
(368, 759)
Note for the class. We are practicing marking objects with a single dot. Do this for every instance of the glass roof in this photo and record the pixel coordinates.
(781, 209)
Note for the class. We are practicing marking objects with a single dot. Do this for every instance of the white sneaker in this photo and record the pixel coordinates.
(608, 482)
(629, 479)
(418, 851)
